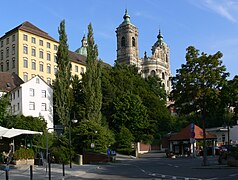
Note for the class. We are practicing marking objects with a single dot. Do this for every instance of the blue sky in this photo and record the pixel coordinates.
(209, 25)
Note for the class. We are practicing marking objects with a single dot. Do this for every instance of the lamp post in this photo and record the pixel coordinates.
(74, 120)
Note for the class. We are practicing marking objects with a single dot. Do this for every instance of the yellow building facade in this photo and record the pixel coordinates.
(28, 51)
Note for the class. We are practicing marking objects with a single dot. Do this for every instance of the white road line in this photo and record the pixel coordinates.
(232, 175)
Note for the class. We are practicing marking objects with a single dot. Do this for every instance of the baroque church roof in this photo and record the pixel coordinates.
(126, 18)
(83, 49)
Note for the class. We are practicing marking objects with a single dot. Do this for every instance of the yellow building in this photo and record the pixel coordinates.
(28, 51)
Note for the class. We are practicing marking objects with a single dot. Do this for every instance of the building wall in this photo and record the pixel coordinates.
(9, 53)
(14, 62)
(47, 48)
(35, 99)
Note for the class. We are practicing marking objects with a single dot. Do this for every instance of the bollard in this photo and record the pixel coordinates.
(31, 172)
(7, 177)
(7, 169)
(63, 170)
(49, 158)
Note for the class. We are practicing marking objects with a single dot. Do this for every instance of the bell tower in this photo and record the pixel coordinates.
(127, 42)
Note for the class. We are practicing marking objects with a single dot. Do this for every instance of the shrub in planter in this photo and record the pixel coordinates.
(23, 153)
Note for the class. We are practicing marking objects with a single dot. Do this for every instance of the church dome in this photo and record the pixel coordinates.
(126, 18)
(83, 49)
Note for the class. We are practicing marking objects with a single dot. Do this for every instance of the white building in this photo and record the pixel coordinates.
(33, 98)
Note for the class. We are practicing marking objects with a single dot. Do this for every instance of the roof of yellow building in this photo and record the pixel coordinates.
(30, 28)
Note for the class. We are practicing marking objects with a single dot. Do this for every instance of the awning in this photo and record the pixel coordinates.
(10, 133)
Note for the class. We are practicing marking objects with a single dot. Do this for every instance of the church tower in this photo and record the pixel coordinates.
(127, 42)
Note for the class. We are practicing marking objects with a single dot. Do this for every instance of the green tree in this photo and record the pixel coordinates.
(198, 83)
(131, 113)
(62, 90)
(92, 81)
(92, 132)
(124, 140)
(4, 104)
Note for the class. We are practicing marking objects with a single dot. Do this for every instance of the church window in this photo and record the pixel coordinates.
(123, 41)
(133, 42)
(152, 73)
(162, 75)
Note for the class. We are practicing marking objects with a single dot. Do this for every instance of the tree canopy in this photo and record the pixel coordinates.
(62, 90)
(198, 83)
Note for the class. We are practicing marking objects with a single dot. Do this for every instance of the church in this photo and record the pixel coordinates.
(158, 64)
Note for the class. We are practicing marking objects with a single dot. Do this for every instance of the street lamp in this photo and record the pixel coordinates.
(74, 120)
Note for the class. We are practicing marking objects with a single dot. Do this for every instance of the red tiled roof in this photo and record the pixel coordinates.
(9, 81)
(185, 134)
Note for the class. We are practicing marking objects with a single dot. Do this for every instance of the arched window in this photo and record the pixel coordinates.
(133, 42)
(123, 41)
(162, 75)
(152, 73)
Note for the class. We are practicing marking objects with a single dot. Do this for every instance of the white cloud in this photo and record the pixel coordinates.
(225, 8)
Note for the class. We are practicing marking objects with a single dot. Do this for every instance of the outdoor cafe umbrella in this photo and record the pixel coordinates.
(10, 133)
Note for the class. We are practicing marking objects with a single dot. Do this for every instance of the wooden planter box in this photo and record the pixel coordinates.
(25, 162)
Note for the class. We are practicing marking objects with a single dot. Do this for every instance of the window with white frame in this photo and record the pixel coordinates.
(25, 63)
(1, 54)
(41, 42)
(18, 106)
(48, 56)
(33, 51)
(41, 67)
(33, 40)
(76, 68)
(41, 55)
(33, 65)
(31, 105)
(48, 45)
(13, 63)
(37, 81)
(55, 70)
(25, 77)
(7, 63)
(48, 68)
(48, 81)
(55, 47)
(7, 42)
(43, 93)
(32, 92)
(55, 58)
(13, 37)
(43, 107)
(25, 49)
(7, 52)
(13, 49)
(25, 37)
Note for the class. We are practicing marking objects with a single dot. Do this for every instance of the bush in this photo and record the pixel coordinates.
(24, 153)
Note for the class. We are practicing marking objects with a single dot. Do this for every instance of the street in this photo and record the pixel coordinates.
(148, 166)
(156, 166)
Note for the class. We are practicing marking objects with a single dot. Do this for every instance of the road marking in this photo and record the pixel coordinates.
(233, 175)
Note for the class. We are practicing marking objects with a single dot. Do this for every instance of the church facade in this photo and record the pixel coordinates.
(158, 64)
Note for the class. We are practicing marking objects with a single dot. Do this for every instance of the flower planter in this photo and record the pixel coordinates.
(25, 162)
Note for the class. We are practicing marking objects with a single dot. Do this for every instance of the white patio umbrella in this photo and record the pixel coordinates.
(10, 133)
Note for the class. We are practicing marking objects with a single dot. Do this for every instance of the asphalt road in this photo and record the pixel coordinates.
(150, 166)
(157, 166)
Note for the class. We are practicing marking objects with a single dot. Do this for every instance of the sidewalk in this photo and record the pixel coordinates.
(40, 172)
